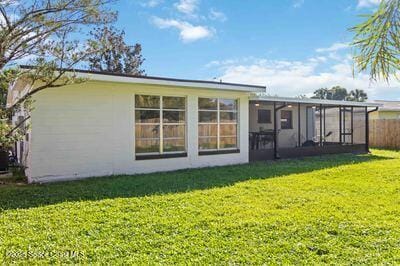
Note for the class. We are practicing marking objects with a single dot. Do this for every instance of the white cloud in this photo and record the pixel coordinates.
(293, 78)
(217, 15)
(318, 59)
(298, 3)
(333, 48)
(187, 31)
(368, 3)
(152, 3)
(187, 7)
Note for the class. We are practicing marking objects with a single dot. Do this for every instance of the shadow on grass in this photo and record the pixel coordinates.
(27, 196)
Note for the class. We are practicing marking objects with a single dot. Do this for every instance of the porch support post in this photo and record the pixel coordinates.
(344, 125)
(352, 125)
(324, 123)
(366, 130)
(320, 125)
(299, 125)
(276, 155)
(340, 124)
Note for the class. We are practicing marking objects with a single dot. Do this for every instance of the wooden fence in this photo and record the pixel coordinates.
(384, 133)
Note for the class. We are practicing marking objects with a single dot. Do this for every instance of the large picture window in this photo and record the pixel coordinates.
(217, 124)
(160, 125)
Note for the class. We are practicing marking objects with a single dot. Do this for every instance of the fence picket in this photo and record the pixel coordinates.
(385, 133)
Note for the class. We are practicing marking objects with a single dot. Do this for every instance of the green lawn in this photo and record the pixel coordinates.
(334, 209)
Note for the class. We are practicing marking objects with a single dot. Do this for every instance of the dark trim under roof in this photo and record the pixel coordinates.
(150, 77)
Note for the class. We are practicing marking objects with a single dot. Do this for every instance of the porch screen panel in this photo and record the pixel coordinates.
(160, 124)
(346, 129)
(318, 126)
(217, 124)
(331, 125)
(359, 125)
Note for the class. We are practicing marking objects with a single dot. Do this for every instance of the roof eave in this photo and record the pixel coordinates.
(175, 83)
(315, 101)
(153, 80)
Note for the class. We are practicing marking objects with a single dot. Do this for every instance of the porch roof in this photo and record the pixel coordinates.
(314, 101)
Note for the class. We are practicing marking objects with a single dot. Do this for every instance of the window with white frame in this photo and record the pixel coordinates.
(218, 124)
(160, 125)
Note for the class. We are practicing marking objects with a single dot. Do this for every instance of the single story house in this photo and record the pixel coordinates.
(388, 110)
(120, 124)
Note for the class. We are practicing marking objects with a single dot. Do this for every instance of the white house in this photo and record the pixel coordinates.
(119, 124)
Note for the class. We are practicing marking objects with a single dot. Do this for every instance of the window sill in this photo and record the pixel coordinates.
(219, 152)
(160, 156)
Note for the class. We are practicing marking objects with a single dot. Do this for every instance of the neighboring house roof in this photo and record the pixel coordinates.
(391, 106)
(314, 101)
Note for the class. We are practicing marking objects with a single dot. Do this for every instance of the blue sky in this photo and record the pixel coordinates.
(291, 46)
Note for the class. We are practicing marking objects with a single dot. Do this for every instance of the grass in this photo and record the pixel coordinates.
(332, 209)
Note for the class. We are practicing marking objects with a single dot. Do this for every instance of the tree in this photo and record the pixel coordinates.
(114, 55)
(41, 30)
(322, 93)
(27, 26)
(340, 94)
(357, 95)
(4, 82)
(377, 41)
(335, 93)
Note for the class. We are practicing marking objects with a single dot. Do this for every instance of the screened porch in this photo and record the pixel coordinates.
(288, 127)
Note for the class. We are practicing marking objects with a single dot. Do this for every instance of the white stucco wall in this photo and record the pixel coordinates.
(88, 130)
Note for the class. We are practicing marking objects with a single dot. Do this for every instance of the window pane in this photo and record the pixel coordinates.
(207, 116)
(208, 103)
(264, 116)
(173, 102)
(147, 131)
(227, 117)
(207, 130)
(144, 146)
(225, 104)
(173, 116)
(227, 142)
(227, 130)
(207, 143)
(147, 101)
(147, 116)
(174, 131)
(286, 119)
(174, 145)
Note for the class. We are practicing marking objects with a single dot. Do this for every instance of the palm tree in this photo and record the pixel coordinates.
(377, 41)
